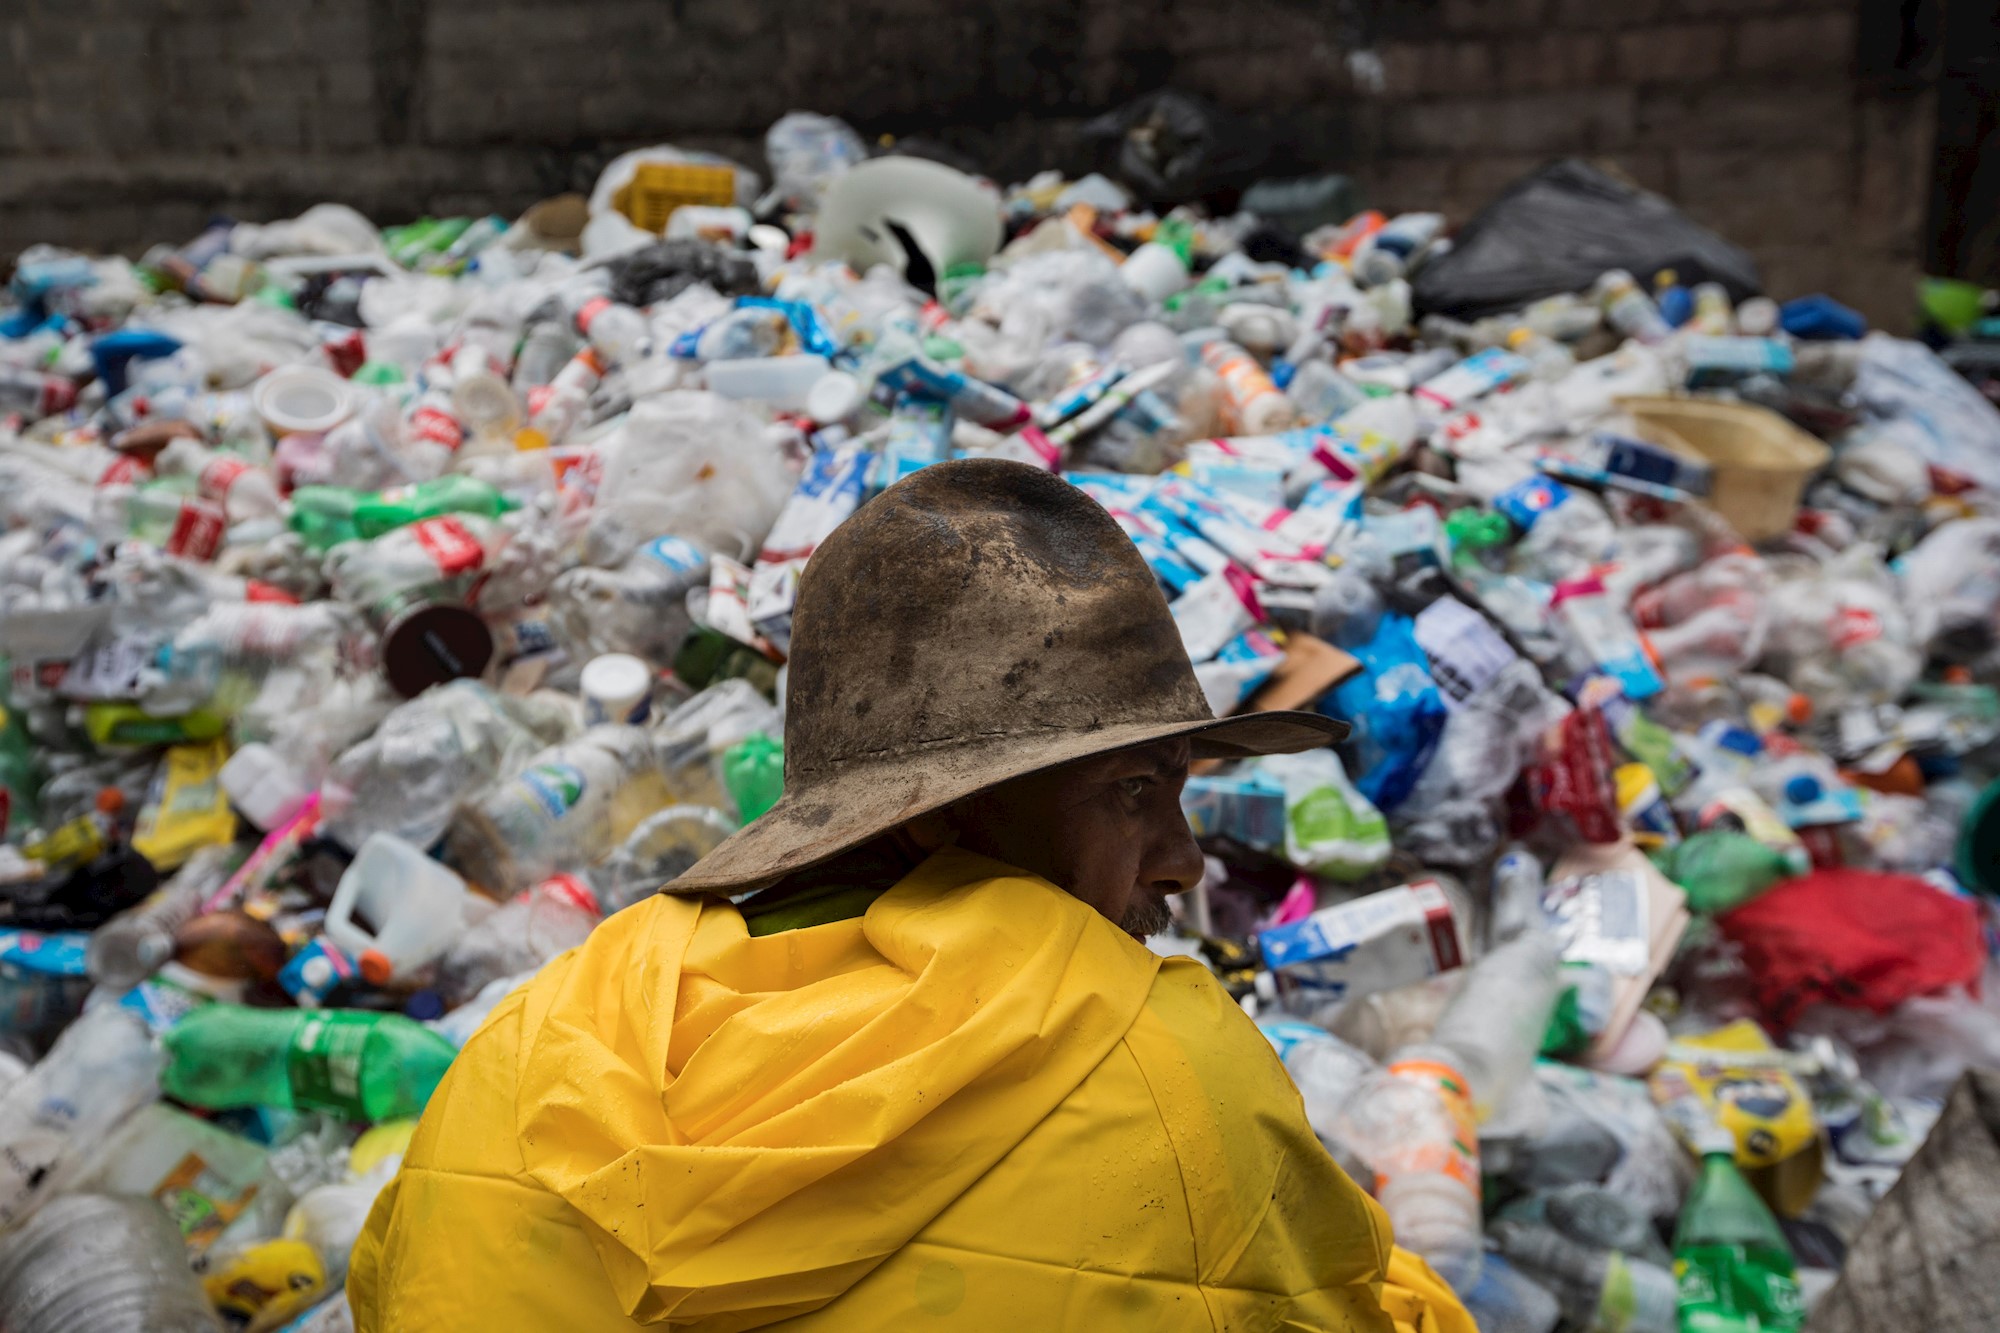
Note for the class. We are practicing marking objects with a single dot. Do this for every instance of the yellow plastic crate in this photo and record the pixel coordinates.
(658, 188)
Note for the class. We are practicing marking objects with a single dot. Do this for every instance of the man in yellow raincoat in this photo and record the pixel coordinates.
(893, 1056)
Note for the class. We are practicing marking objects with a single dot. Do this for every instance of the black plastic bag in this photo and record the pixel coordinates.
(1558, 230)
(1169, 148)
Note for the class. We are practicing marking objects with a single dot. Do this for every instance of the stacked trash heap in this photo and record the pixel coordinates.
(381, 609)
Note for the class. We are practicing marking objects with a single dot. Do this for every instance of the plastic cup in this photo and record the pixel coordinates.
(302, 399)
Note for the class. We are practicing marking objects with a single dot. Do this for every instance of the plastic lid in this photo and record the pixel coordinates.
(836, 396)
(618, 678)
(433, 644)
(302, 399)
(376, 969)
(1803, 789)
(110, 800)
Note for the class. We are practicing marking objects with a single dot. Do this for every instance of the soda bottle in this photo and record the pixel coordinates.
(1721, 868)
(20, 777)
(177, 523)
(664, 845)
(1599, 1287)
(362, 1066)
(136, 943)
(1731, 1261)
(454, 493)
(111, 1264)
(324, 515)
(570, 804)
(1493, 1026)
(1413, 1124)
(754, 772)
(557, 914)
(638, 608)
(1628, 309)
(100, 1070)
(244, 491)
(34, 394)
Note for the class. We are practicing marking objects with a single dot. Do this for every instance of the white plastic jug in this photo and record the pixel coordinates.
(396, 908)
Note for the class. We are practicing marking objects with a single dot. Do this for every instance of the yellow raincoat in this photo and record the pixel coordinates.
(978, 1106)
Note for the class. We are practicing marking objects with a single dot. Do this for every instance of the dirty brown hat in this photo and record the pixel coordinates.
(977, 621)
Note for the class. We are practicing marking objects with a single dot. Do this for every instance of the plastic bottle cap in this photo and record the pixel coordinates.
(110, 800)
(302, 400)
(615, 687)
(1802, 789)
(836, 396)
(1799, 710)
(376, 969)
(316, 972)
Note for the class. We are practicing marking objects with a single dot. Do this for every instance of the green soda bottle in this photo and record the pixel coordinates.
(401, 506)
(754, 772)
(20, 776)
(324, 515)
(1731, 1261)
(363, 1066)
(1721, 868)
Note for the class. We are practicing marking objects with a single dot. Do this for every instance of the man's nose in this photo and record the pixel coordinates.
(1175, 864)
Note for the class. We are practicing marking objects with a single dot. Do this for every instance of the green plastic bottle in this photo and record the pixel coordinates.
(20, 776)
(401, 506)
(754, 772)
(364, 1066)
(1731, 1262)
(1721, 868)
(324, 515)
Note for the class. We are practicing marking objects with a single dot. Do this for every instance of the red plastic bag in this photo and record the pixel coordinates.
(1857, 938)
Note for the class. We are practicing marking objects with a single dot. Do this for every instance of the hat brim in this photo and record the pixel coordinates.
(862, 801)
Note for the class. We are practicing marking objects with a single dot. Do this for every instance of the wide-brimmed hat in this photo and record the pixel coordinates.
(977, 621)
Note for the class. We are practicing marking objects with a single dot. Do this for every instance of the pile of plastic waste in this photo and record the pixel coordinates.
(381, 609)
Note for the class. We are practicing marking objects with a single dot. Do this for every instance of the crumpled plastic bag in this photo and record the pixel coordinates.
(1395, 709)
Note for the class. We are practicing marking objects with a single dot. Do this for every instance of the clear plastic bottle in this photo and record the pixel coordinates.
(100, 1070)
(1494, 1024)
(136, 943)
(1413, 1124)
(665, 844)
(640, 608)
(557, 914)
(1629, 309)
(560, 812)
(1599, 1287)
(244, 490)
(103, 1263)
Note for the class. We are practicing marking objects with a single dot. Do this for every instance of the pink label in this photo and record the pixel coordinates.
(455, 549)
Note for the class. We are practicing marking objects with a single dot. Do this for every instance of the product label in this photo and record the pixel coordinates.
(455, 550)
(197, 531)
(1602, 918)
(324, 1063)
(1728, 1289)
(220, 474)
(437, 426)
(683, 557)
(558, 787)
(1374, 943)
(1460, 1158)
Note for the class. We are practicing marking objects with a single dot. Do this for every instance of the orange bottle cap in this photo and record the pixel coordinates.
(376, 969)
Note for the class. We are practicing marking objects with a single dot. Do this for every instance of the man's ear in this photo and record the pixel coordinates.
(928, 832)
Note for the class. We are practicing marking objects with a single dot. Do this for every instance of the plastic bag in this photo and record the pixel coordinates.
(1558, 230)
(1395, 709)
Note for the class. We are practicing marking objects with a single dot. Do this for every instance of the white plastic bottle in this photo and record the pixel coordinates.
(103, 1068)
(243, 490)
(557, 813)
(396, 909)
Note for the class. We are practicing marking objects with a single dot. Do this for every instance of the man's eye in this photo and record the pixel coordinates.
(1133, 788)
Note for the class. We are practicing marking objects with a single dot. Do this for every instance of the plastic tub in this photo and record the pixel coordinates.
(302, 399)
(1762, 461)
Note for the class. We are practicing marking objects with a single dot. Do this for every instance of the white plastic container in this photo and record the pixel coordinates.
(264, 786)
(616, 687)
(300, 399)
(785, 382)
(1154, 271)
(396, 909)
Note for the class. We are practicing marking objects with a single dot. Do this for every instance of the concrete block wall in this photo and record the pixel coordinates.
(124, 122)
